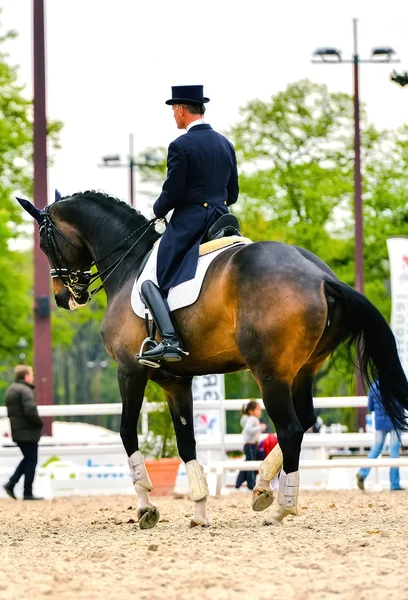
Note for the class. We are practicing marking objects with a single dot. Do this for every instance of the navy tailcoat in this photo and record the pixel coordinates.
(202, 181)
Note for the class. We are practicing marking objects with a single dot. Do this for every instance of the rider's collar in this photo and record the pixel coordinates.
(194, 123)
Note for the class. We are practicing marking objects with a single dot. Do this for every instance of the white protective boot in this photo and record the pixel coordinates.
(148, 515)
(198, 493)
(262, 495)
(287, 499)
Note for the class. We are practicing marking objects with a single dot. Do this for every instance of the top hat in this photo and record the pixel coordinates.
(187, 94)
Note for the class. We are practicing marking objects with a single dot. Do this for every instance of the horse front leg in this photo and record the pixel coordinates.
(132, 386)
(180, 400)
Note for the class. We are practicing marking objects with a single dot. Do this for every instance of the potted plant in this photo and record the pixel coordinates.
(159, 447)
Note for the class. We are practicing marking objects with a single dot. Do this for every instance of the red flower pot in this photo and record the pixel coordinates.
(163, 473)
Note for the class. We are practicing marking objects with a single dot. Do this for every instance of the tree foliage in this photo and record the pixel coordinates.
(16, 153)
(297, 186)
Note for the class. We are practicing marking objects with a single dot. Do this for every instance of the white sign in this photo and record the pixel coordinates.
(398, 253)
(209, 387)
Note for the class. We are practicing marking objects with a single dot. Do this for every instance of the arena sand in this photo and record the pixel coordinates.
(343, 545)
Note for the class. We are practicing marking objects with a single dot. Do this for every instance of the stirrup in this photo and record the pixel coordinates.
(146, 361)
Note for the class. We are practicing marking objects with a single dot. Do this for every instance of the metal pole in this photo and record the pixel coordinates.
(358, 209)
(42, 322)
(131, 169)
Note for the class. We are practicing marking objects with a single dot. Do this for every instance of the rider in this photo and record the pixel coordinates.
(202, 181)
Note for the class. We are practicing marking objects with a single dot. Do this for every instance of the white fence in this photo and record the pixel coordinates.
(88, 456)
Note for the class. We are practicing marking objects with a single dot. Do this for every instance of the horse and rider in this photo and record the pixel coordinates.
(201, 183)
(273, 308)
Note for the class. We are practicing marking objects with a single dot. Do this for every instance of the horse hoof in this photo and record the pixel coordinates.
(196, 523)
(261, 499)
(148, 517)
(272, 523)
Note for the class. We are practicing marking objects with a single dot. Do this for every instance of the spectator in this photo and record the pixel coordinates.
(251, 430)
(383, 425)
(26, 426)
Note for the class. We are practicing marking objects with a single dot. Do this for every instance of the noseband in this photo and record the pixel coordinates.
(78, 282)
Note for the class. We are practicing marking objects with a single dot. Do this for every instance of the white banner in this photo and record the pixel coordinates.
(209, 387)
(398, 253)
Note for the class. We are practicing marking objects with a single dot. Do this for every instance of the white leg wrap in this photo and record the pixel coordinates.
(197, 481)
(272, 465)
(288, 490)
(287, 499)
(140, 476)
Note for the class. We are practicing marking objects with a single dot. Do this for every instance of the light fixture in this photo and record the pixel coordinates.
(328, 52)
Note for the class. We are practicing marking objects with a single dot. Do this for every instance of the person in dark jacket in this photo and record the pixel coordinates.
(26, 426)
(383, 426)
(202, 182)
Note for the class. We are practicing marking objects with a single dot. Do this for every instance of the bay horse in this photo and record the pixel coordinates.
(270, 307)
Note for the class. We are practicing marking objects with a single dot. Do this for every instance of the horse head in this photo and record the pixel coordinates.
(90, 228)
(68, 256)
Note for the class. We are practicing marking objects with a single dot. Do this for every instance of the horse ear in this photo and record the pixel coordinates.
(31, 209)
(57, 195)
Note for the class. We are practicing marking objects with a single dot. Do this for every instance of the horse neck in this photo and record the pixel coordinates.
(102, 229)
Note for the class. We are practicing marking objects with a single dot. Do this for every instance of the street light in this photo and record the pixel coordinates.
(382, 55)
(114, 160)
(330, 55)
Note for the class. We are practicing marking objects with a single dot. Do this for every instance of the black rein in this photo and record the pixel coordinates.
(78, 281)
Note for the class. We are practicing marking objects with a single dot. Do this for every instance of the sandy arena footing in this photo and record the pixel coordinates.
(343, 545)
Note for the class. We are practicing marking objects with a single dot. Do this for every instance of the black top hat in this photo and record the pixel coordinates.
(187, 94)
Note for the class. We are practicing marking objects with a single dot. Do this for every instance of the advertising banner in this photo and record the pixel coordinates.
(398, 253)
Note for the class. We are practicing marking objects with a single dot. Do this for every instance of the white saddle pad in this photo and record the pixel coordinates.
(183, 294)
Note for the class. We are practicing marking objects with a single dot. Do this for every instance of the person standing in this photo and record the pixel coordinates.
(26, 426)
(201, 183)
(383, 426)
(251, 430)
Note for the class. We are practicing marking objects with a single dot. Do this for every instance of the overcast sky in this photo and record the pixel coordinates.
(111, 64)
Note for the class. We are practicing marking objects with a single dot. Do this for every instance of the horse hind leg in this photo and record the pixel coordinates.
(277, 397)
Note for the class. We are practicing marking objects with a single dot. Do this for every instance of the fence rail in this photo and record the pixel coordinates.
(115, 408)
(112, 446)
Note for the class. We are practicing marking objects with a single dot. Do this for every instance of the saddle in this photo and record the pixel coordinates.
(225, 226)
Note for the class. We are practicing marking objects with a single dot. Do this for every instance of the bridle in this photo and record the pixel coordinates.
(78, 282)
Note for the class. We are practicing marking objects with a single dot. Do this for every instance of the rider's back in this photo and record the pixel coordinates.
(211, 162)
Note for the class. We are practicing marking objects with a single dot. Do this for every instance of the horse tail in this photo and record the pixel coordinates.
(362, 326)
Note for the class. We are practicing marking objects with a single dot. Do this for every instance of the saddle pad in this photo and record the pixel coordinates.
(223, 242)
(185, 293)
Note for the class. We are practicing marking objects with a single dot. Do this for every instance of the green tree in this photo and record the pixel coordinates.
(296, 153)
(16, 136)
(15, 149)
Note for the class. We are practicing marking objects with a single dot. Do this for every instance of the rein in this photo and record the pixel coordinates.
(78, 281)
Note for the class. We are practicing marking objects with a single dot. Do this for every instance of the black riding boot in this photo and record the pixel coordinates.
(170, 348)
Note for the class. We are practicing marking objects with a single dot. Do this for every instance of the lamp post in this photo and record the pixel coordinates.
(42, 320)
(114, 160)
(379, 55)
